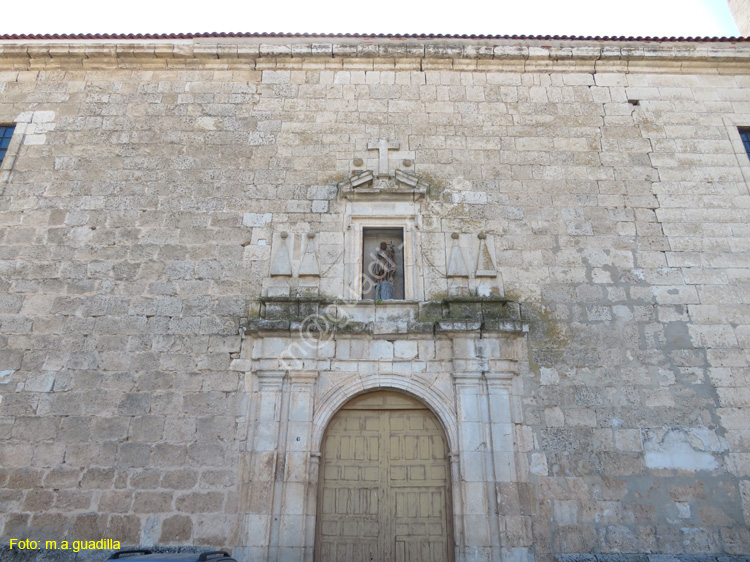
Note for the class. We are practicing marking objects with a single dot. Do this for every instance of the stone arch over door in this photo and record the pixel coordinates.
(385, 483)
(440, 404)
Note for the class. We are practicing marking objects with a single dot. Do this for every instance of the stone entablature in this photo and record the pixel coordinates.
(455, 314)
(380, 54)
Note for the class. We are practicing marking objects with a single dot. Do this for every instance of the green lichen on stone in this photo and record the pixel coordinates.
(431, 311)
(437, 186)
(253, 308)
(466, 313)
(544, 331)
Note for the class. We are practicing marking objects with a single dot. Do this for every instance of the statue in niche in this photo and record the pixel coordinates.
(384, 271)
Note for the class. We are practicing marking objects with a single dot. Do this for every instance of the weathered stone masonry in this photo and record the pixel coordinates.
(142, 208)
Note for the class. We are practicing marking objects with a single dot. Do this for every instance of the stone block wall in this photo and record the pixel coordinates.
(137, 226)
(741, 12)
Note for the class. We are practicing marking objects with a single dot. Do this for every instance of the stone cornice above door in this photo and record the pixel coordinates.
(450, 315)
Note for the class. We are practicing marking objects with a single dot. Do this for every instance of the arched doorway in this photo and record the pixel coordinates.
(384, 491)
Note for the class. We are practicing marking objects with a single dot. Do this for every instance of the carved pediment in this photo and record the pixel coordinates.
(365, 186)
(385, 182)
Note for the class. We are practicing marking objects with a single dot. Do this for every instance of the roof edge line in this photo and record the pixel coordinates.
(398, 36)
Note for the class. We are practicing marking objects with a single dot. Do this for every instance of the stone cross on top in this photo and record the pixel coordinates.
(383, 146)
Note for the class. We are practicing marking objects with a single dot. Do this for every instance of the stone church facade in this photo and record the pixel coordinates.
(200, 236)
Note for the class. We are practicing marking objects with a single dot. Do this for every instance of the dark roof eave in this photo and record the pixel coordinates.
(422, 36)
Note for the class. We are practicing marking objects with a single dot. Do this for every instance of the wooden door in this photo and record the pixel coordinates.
(384, 484)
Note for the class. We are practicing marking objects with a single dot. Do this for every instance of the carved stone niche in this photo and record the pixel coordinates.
(365, 186)
(383, 203)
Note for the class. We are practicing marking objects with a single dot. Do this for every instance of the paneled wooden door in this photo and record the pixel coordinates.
(384, 484)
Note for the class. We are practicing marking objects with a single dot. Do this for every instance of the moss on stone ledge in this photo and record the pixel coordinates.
(447, 314)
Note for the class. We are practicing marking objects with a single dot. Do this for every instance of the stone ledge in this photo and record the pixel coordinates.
(581, 56)
(311, 316)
